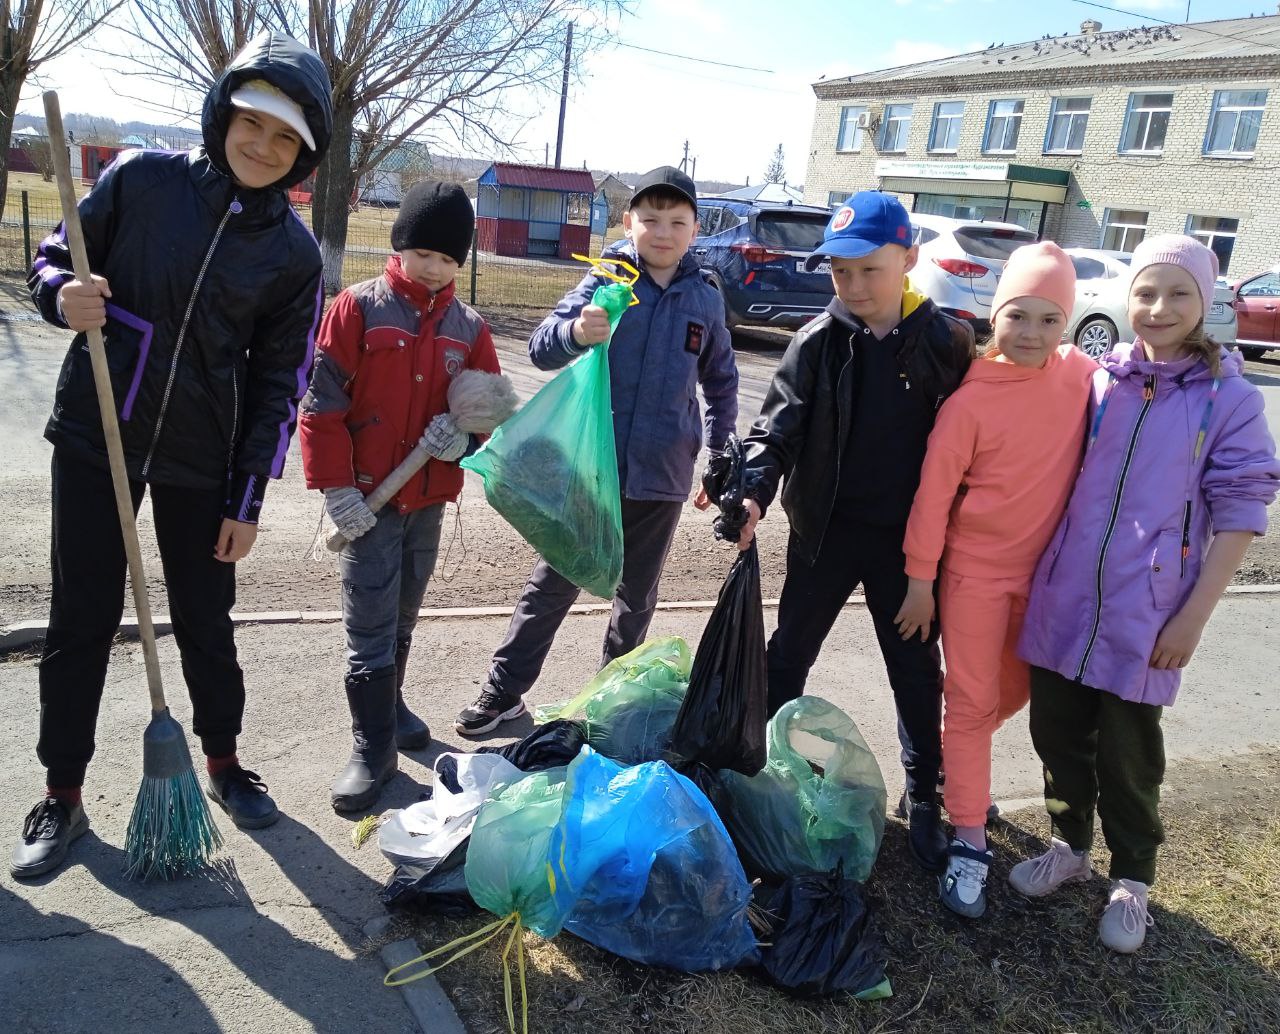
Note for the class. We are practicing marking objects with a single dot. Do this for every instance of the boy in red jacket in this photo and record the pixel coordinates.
(387, 352)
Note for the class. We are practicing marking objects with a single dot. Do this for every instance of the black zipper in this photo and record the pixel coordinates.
(1148, 398)
(234, 209)
(1186, 538)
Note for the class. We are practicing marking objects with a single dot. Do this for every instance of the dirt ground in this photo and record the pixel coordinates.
(482, 560)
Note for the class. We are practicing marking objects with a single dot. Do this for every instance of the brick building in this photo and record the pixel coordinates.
(1092, 140)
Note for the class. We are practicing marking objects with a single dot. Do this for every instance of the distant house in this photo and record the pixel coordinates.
(386, 183)
(618, 194)
(778, 193)
(524, 210)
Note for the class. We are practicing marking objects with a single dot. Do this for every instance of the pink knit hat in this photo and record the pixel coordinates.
(1176, 249)
(1040, 270)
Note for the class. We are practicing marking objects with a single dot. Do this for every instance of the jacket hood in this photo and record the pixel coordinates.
(626, 249)
(993, 369)
(1129, 359)
(288, 65)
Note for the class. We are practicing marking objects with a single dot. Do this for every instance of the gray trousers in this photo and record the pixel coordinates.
(384, 578)
(648, 528)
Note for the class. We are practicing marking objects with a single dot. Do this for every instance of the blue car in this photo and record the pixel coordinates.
(753, 253)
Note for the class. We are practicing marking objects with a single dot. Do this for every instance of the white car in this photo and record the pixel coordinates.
(1100, 319)
(961, 261)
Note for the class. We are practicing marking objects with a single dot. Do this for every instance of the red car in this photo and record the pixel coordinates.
(1257, 305)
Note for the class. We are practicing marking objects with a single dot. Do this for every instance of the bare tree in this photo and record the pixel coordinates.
(34, 32)
(777, 168)
(400, 68)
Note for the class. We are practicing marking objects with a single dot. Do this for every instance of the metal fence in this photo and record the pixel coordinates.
(492, 281)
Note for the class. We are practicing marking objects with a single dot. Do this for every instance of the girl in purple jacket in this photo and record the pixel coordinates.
(1177, 476)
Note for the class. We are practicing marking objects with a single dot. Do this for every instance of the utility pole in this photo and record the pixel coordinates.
(564, 92)
(694, 172)
(684, 162)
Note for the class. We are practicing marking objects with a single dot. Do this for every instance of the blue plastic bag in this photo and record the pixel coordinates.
(648, 868)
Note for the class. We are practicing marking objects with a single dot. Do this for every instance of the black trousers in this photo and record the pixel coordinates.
(812, 597)
(88, 563)
(648, 528)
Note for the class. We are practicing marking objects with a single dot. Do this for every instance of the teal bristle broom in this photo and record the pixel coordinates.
(171, 831)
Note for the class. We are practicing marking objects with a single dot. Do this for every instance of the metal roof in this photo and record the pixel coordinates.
(538, 177)
(1119, 50)
(776, 192)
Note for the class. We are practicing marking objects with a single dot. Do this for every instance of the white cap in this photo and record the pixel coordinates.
(260, 95)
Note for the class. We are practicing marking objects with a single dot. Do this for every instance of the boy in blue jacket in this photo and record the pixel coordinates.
(207, 287)
(673, 341)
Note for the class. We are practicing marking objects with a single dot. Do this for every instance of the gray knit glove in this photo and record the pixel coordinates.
(444, 440)
(349, 512)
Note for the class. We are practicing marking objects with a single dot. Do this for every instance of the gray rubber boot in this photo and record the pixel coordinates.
(372, 699)
(411, 731)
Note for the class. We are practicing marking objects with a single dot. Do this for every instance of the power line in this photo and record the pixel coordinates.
(1180, 25)
(682, 57)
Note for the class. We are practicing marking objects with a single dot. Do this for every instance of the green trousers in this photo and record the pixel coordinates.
(1104, 753)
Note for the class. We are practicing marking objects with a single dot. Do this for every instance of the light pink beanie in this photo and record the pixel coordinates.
(1176, 249)
(1040, 270)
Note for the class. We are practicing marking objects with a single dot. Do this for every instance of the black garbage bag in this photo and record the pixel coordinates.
(824, 939)
(552, 745)
(725, 483)
(439, 890)
(722, 721)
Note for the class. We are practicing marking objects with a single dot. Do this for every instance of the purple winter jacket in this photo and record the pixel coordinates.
(1113, 573)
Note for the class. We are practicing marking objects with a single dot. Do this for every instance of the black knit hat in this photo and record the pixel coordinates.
(435, 216)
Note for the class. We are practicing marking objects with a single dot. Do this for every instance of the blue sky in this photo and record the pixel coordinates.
(733, 119)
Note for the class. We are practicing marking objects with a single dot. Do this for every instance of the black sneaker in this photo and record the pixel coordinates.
(243, 796)
(925, 836)
(47, 833)
(490, 710)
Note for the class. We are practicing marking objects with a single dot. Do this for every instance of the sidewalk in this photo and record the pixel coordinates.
(280, 948)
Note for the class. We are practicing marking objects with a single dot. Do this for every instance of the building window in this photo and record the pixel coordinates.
(945, 133)
(896, 127)
(1218, 233)
(850, 137)
(1123, 229)
(1146, 123)
(1067, 121)
(1004, 121)
(1234, 123)
(836, 198)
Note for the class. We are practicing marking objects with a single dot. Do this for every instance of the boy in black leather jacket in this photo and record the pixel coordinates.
(845, 423)
(208, 289)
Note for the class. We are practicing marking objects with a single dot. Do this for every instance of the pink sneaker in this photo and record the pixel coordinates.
(1123, 926)
(1037, 877)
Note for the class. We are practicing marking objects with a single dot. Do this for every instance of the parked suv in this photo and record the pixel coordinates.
(961, 261)
(753, 252)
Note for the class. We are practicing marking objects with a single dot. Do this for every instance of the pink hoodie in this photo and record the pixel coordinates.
(1002, 458)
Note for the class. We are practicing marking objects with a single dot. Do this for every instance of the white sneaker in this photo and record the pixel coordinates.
(1037, 877)
(1123, 926)
(963, 887)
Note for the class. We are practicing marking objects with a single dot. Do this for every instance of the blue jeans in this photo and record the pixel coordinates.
(384, 578)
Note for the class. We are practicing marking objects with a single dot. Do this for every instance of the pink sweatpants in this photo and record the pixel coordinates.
(985, 682)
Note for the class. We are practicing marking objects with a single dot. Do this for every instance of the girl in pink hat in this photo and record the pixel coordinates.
(996, 478)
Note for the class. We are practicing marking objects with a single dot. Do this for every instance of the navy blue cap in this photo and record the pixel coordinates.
(868, 220)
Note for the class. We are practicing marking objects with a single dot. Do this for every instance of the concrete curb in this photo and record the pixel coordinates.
(425, 998)
(24, 633)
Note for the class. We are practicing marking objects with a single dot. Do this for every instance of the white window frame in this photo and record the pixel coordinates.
(849, 115)
(1012, 118)
(1071, 117)
(954, 123)
(899, 122)
(1222, 106)
(1126, 228)
(1140, 117)
(1207, 237)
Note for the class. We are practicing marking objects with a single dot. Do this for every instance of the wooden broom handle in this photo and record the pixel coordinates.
(106, 402)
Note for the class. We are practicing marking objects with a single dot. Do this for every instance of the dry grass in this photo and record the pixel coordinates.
(1211, 963)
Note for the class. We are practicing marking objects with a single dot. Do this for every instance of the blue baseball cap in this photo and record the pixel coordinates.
(868, 220)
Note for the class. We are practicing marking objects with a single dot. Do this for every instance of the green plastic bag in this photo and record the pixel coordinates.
(818, 801)
(552, 469)
(630, 706)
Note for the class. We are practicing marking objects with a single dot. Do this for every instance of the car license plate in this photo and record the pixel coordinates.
(1217, 309)
(822, 267)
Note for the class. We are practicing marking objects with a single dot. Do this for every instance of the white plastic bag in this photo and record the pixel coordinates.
(426, 833)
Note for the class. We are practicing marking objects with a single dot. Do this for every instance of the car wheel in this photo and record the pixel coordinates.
(1252, 352)
(1096, 337)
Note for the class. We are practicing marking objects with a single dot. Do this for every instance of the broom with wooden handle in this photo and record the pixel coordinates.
(171, 831)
